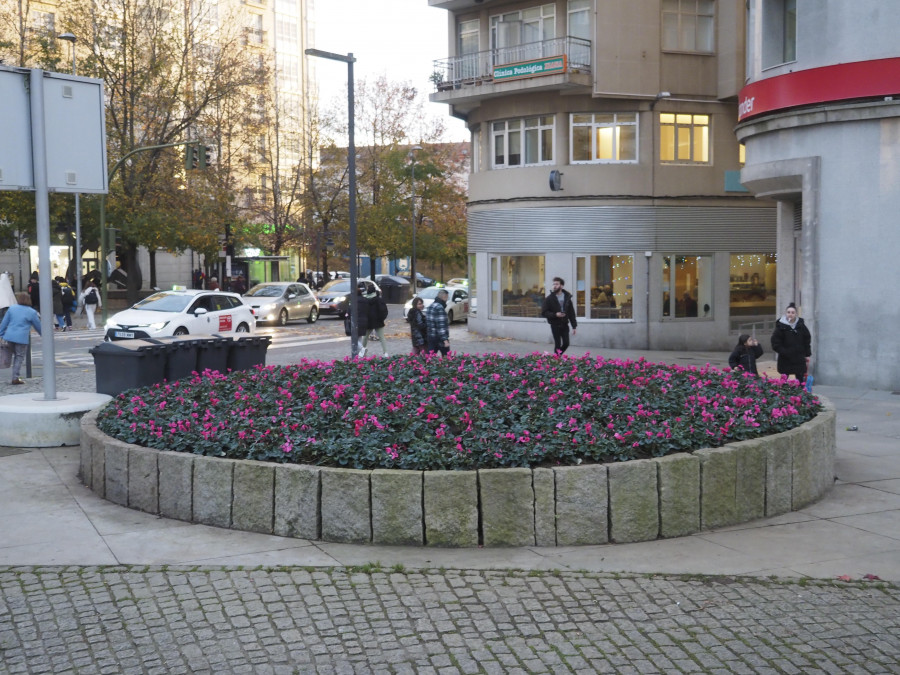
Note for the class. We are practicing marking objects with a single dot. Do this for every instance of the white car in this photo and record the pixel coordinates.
(457, 302)
(182, 312)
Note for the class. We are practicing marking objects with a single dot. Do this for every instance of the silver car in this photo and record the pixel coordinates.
(282, 301)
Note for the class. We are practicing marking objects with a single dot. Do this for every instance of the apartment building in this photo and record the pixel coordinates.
(820, 117)
(603, 152)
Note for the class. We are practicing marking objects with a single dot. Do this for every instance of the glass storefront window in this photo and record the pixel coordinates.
(517, 285)
(473, 287)
(752, 285)
(604, 286)
(687, 286)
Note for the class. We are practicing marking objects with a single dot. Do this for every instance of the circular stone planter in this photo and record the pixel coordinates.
(622, 502)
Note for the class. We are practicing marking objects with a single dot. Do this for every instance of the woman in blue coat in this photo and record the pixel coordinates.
(16, 330)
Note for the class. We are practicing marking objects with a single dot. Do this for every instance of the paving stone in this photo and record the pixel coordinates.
(451, 512)
(143, 479)
(397, 518)
(718, 485)
(253, 500)
(346, 507)
(213, 480)
(176, 470)
(679, 494)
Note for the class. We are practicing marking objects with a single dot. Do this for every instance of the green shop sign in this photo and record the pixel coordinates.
(548, 66)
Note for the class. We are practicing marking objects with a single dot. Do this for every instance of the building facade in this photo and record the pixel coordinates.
(603, 152)
(820, 117)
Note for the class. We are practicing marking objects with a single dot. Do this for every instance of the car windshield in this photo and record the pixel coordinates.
(336, 286)
(165, 302)
(265, 291)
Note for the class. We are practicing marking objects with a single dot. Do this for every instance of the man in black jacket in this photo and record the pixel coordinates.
(559, 312)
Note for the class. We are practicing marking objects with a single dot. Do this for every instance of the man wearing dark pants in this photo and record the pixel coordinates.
(559, 312)
(438, 324)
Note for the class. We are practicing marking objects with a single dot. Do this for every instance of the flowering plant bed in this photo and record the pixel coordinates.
(460, 412)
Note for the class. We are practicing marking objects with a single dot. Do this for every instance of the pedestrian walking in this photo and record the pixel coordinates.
(437, 324)
(377, 311)
(16, 330)
(58, 311)
(745, 353)
(362, 318)
(793, 344)
(418, 329)
(7, 296)
(90, 300)
(559, 312)
(69, 301)
(34, 292)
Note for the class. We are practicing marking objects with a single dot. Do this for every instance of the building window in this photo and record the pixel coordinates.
(688, 25)
(523, 35)
(43, 22)
(604, 137)
(687, 286)
(473, 286)
(255, 33)
(604, 286)
(517, 285)
(779, 32)
(579, 24)
(523, 142)
(752, 285)
(684, 139)
(286, 35)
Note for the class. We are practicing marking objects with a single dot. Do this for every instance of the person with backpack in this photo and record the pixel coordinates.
(70, 302)
(90, 299)
(377, 311)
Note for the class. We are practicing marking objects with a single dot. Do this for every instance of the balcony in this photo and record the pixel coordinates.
(557, 64)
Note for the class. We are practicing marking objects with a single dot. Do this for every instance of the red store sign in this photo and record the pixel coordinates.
(844, 81)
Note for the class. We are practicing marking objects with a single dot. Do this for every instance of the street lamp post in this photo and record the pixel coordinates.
(69, 37)
(351, 167)
(412, 262)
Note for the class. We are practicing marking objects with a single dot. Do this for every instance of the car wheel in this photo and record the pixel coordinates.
(283, 318)
(180, 331)
(242, 328)
(313, 315)
(450, 316)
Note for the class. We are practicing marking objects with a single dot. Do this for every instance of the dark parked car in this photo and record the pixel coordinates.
(421, 280)
(334, 298)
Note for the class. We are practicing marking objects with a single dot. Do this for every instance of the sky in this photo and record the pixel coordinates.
(396, 38)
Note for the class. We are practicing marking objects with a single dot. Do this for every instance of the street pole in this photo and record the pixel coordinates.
(351, 167)
(69, 37)
(42, 222)
(412, 263)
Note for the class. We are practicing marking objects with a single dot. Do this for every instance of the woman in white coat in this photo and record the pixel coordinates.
(90, 298)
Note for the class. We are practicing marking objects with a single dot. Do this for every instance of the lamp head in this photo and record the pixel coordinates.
(68, 37)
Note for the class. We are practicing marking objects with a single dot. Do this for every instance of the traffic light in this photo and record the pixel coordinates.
(205, 152)
(192, 156)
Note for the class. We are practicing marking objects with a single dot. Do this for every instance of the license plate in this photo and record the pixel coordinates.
(125, 335)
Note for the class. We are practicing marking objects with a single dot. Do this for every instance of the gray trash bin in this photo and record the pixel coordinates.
(212, 352)
(126, 364)
(248, 352)
(181, 355)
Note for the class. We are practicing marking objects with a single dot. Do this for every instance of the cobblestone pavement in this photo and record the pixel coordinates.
(375, 620)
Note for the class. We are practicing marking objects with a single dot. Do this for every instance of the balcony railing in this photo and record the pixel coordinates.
(479, 66)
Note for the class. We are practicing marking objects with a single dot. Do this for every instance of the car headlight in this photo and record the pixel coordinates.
(158, 325)
(111, 324)
(265, 309)
(340, 299)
